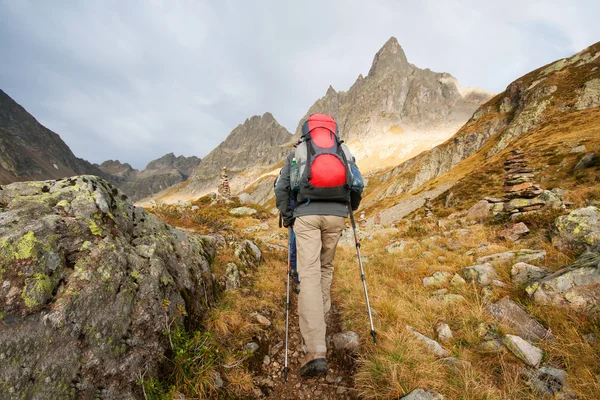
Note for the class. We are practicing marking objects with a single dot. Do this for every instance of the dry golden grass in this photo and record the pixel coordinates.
(400, 363)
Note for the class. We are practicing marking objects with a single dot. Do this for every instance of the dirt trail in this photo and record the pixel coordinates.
(338, 384)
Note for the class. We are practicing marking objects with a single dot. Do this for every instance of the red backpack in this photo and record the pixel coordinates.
(322, 168)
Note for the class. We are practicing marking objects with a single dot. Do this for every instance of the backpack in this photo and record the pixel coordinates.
(323, 168)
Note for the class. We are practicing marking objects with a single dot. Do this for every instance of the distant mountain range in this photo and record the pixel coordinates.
(397, 111)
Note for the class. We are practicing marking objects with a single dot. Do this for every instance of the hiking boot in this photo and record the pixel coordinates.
(315, 364)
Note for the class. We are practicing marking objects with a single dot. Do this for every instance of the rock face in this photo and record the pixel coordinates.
(397, 98)
(158, 174)
(259, 142)
(30, 151)
(89, 285)
(520, 109)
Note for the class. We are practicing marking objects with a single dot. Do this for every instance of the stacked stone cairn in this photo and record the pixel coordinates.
(224, 192)
(428, 208)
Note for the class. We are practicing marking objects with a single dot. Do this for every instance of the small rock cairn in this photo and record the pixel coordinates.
(518, 178)
(224, 192)
(428, 208)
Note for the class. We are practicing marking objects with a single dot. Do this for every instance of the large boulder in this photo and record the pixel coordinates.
(576, 286)
(88, 286)
(579, 230)
(480, 211)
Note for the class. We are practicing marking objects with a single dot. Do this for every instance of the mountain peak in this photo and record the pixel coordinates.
(330, 91)
(389, 57)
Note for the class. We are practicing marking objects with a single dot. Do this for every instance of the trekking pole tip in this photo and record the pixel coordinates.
(285, 374)
(374, 337)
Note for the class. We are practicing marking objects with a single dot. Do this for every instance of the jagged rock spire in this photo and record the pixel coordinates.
(389, 57)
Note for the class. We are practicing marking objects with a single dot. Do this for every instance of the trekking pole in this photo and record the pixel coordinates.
(287, 304)
(362, 275)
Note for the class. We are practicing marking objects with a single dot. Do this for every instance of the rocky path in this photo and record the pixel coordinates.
(338, 384)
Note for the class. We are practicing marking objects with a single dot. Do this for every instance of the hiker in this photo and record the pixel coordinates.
(322, 178)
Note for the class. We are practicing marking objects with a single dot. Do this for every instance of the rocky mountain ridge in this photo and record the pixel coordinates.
(158, 175)
(30, 151)
(553, 94)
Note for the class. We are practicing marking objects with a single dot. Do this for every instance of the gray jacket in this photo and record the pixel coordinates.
(282, 198)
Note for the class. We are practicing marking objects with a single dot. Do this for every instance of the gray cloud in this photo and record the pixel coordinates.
(134, 80)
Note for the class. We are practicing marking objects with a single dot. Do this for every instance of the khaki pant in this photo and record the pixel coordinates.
(316, 239)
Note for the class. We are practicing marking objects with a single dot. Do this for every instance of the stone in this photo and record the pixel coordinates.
(232, 277)
(521, 204)
(550, 199)
(492, 346)
(578, 149)
(515, 232)
(96, 290)
(455, 363)
(576, 286)
(443, 331)
(509, 313)
(251, 347)
(256, 228)
(587, 161)
(437, 279)
(217, 380)
(480, 211)
(242, 211)
(261, 319)
(493, 200)
(523, 273)
(434, 346)
(482, 274)
(579, 230)
(518, 187)
(422, 394)
(523, 255)
(522, 349)
(348, 342)
(457, 280)
(548, 381)
(248, 253)
(396, 247)
(450, 298)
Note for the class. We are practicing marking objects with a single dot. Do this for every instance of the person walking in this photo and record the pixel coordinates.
(321, 176)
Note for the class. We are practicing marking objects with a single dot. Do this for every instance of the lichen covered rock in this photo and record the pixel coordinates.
(579, 230)
(89, 283)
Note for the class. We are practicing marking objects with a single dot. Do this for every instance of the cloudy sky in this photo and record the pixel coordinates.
(133, 80)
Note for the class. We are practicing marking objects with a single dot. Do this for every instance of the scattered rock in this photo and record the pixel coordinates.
(483, 274)
(396, 247)
(578, 149)
(480, 211)
(434, 346)
(256, 228)
(455, 363)
(579, 230)
(241, 211)
(457, 280)
(525, 273)
(348, 342)
(251, 347)
(437, 279)
(523, 255)
(587, 161)
(524, 350)
(232, 277)
(444, 332)
(576, 286)
(515, 232)
(217, 379)
(492, 346)
(248, 253)
(509, 313)
(421, 394)
(547, 381)
(261, 319)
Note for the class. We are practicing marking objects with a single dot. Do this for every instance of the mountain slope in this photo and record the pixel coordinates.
(553, 104)
(30, 151)
(398, 109)
(252, 147)
(158, 174)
